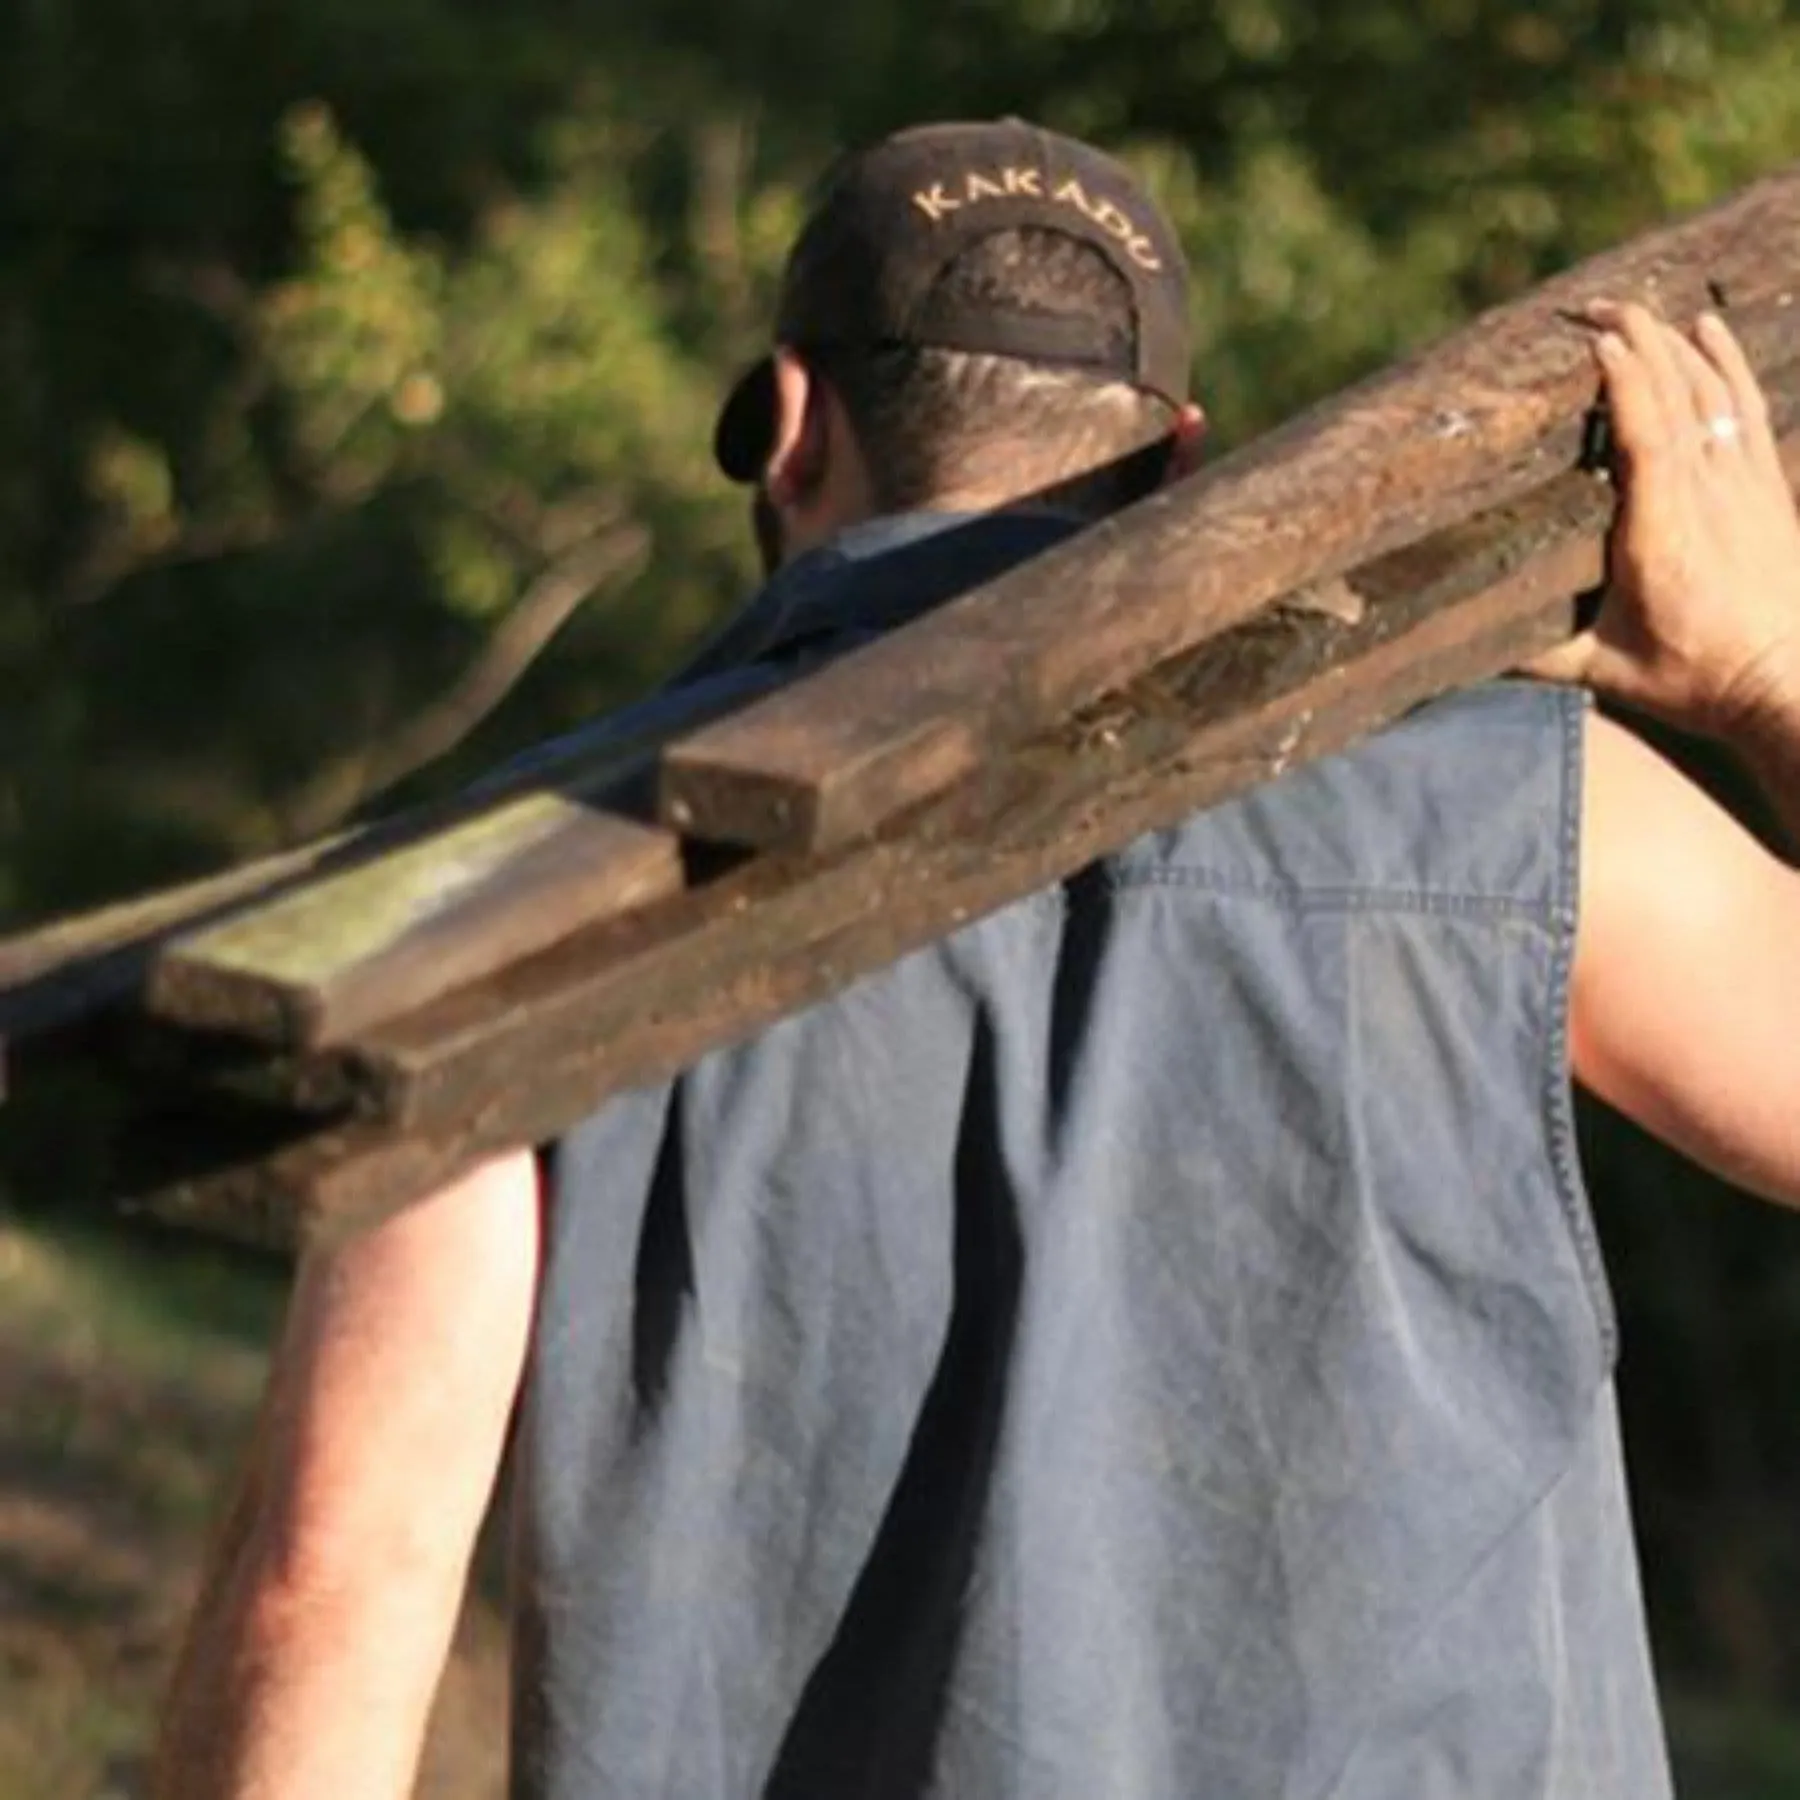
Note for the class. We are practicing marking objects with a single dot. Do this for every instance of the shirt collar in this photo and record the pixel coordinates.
(878, 574)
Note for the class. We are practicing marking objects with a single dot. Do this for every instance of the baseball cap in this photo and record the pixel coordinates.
(863, 272)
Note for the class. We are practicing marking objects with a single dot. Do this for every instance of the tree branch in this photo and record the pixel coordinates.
(721, 147)
(445, 721)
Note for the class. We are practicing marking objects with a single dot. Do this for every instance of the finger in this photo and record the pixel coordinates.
(1718, 342)
(1568, 664)
(1715, 406)
(1632, 401)
(1654, 344)
(1588, 660)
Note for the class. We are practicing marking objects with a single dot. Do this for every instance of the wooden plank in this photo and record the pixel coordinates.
(780, 932)
(112, 1103)
(633, 1002)
(1509, 390)
(1323, 667)
(200, 1164)
(372, 942)
(1489, 414)
(637, 1002)
(879, 907)
(54, 975)
(57, 975)
(544, 858)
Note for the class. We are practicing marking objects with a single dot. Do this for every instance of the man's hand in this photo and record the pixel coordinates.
(1687, 957)
(1701, 620)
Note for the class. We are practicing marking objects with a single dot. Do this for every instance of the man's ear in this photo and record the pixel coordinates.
(1189, 437)
(802, 432)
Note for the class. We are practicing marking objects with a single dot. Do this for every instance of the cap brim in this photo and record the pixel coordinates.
(746, 426)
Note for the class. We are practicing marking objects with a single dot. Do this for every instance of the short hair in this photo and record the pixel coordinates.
(928, 420)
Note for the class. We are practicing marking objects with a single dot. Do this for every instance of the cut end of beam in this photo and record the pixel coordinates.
(723, 801)
(753, 780)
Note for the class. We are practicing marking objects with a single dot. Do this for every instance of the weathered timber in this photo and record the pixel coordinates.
(54, 974)
(149, 1107)
(641, 1000)
(506, 876)
(1475, 421)
(58, 978)
(1470, 570)
(580, 1045)
(53, 978)
(1492, 412)
(197, 1168)
(328, 959)
(519, 1057)
(320, 965)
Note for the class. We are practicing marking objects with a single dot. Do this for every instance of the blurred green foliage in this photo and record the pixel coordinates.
(352, 353)
(333, 337)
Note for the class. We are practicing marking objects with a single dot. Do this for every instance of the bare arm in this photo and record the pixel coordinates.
(323, 1622)
(1685, 1010)
(1687, 970)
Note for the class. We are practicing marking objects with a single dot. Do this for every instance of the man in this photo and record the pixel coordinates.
(1153, 1342)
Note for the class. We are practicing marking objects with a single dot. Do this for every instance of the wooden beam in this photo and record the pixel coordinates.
(1471, 423)
(587, 1023)
(1488, 415)
(56, 975)
(315, 966)
(340, 954)
(638, 1000)
(522, 1056)
(1446, 548)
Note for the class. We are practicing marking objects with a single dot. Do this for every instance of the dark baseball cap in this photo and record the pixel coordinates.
(892, 217)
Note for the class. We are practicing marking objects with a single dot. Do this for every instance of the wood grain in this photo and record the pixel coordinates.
(520, 1057)
(640, 1000)
(548, 853)
(55, 975)
(576, 1032)
(443, 991)
(58, 974)
(367, 944)
(518, 1060)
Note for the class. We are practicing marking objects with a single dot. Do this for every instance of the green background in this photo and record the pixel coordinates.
(357, 363)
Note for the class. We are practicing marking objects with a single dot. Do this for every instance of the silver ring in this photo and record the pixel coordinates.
(1723, 428)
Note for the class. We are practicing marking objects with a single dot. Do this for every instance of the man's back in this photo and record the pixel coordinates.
(1150, 1343)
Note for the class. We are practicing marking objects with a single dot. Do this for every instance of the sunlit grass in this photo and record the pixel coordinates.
(129, 1372)
(130, 1366)
(166, 1304)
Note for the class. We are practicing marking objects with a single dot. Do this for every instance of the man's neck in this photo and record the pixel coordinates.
(963, 506)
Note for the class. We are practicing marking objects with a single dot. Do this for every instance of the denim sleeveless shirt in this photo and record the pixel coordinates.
(1150, 1345)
